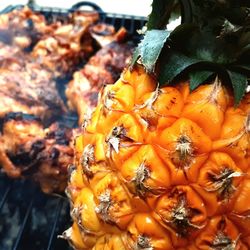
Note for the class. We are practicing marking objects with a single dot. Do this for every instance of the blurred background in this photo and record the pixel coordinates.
(132, 7)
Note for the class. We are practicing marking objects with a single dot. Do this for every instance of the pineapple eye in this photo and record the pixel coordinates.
(76, 215)
(105, 203)
(108, 99)
(223, 182)
(87, 160)
(141, 176)
(117, 134)
(182, 210)
(180, 217)
(143, 242)
(119, 131)
(222, 241)
(184, 152)
(220, 178)
(184, 148)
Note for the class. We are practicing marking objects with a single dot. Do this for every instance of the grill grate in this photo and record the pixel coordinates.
(21, 230)
(30, 219)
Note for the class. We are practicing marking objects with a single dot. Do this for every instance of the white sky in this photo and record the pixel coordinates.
(133, 7)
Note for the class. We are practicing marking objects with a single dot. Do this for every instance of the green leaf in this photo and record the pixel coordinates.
(244, 53)
(161, 10)
(150, 48)
(245, 67)
(198, 77)
(240, 68)
(244, 40)
(239, 82)
(183, 32)
(172, 63)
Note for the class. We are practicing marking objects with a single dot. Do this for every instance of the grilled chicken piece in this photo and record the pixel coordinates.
(67, 45)
(8, 51)
(104, 34)
(22, 27)
(18, 129)
(10, 56)
(26, 86)
(27, 149)
(103, 68)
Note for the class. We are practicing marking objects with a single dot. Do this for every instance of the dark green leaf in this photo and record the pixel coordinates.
(198, 77)
(172, 63)
(183, 31)
(245, 66)
(244, 52)
(193, 42)
(245, 38)
(161, 10)
(241, 68)
(239, 82)
(150, 48)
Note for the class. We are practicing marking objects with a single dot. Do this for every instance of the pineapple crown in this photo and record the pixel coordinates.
(216, 41)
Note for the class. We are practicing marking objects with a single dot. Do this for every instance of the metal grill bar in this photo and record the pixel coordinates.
(103, 18)
(57, 213)
(113, 21)
(20, 233)
(5, 196)
(142, 22)
(123, 21)
(132, 25)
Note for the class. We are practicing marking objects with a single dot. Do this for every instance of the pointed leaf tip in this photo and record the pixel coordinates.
(198, 77)
(239, 83)
(150, 48)
(159, 17)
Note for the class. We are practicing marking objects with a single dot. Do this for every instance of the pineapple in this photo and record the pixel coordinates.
(163, 161)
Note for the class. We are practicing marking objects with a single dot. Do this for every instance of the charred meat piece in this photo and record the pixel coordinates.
(29, 88)
(105, 34)
(29, 150)
(103, 68)
(10, 56)
(107, 64)
(22, 27)
(8, 51)
(68, 44)
(17, 129)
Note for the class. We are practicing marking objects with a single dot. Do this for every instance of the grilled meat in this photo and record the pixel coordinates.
(67, 45)
(105, 34)
(10, 56)
(103, 68)
(27, 149)
(106, 66)
(26, 86)
(22, 27)
(8, 51)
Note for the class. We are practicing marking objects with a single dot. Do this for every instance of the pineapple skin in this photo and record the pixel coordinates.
(161, 168)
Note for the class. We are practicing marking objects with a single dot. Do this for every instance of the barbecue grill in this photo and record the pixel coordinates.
(30, 219)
